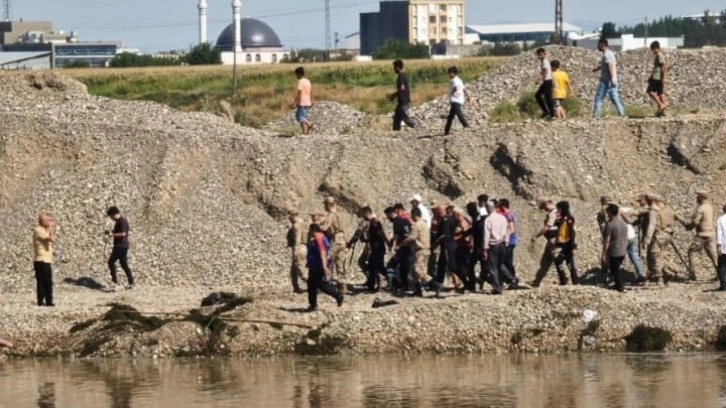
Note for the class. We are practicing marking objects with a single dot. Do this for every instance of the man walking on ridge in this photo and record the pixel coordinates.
(608, 80)
(402, 96)
(303, 101)
(658, 78)
(544, 93)
(458, 96)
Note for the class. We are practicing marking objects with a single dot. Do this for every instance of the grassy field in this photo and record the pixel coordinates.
(264, 93)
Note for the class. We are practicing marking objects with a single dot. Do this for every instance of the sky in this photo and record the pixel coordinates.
(156, 25)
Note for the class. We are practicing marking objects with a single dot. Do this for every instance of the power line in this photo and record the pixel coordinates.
(6, 15)
(190, 23)
(327, 25)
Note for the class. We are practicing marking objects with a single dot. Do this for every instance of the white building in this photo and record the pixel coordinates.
(436, 21)
(628, 42)
(248, 40)
(528, 33)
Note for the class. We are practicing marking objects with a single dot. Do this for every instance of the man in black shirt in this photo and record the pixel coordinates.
(445, 239)
(120, 235)
(402, 96)
(377, 241)
(402, 258)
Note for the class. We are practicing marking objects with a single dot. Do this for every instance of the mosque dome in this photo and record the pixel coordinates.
(255, 34)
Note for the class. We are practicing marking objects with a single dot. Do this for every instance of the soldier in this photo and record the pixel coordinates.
(658, 236)
(602, 216)
(419, 240)
(330, 225)
(315, 218)
(549, 232)
(298, 250)
(703, 222)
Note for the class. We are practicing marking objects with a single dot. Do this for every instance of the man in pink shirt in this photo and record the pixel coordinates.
(496, 237)
(303, 101)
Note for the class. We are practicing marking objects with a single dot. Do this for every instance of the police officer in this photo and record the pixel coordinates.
(331, 226)
(298, 250)
(661, 220)
(702, 221)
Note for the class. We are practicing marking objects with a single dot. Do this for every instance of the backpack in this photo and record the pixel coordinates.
(564, 231)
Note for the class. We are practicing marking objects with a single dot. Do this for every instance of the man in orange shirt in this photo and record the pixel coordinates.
(303, 101)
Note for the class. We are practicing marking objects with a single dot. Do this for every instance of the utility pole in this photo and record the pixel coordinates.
(6, 16)
(327, 28)
(559, 23)
(645, 35)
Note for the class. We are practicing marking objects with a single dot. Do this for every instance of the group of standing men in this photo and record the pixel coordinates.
(428, 246)
(555, 85)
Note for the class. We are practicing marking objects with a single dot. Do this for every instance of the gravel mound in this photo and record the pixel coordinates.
(330, 118)
(695, 80)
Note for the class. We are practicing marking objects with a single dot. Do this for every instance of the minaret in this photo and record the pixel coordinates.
(202, 21)
(237, 16)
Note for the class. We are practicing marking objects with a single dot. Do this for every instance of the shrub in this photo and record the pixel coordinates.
(644, 339)
(528, 106)
(505, 111)
(204, 54)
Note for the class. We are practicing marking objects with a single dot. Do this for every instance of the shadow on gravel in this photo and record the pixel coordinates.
(294, 309)
(85, 282)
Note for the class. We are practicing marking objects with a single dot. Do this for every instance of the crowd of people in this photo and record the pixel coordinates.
(426, 247)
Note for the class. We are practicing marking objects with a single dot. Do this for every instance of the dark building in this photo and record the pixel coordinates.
(391, 22)
(254, 34)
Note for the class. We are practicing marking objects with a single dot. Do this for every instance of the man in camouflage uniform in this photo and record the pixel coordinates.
(549, 232)
(332, 228)
(298, 249)
(661, 220)
(702, 221)
(419, 240)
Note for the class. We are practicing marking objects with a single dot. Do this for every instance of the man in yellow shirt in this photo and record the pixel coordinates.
(562, 89)
(43, 239)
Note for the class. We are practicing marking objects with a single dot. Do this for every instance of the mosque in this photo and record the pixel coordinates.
(253, 41)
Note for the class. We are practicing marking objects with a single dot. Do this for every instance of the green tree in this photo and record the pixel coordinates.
(394, 49)
(203, 54)
(127, 60)
(609, 31)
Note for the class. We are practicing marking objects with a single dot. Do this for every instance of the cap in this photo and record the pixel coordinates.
(702, 194)
(543, 200)
(316, 213)
(416, 197)
(606, 199)
(656, 197)
(293, 213)
(329, 200)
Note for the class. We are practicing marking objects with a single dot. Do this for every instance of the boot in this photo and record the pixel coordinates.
(561, 274)
(436, 287)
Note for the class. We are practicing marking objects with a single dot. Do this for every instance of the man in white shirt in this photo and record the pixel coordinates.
(721, 243)
(544, 92)
(417, 202)
(458, 95)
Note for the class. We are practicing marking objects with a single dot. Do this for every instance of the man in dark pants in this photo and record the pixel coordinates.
(318, 271)
(120, 235)
(476, 255)
(615, 245)
(458, 95)
(544, 93)
(43, 239)
(377, 241)
(445, 239)
(402, 96)
(496, 236)
(402, 260)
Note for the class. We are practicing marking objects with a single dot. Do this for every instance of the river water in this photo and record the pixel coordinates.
(694, 380)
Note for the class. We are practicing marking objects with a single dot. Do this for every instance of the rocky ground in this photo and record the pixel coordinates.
(207, 201)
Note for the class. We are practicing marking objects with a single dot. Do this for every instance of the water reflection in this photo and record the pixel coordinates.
(389, 382)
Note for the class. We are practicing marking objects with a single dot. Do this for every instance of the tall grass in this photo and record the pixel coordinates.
(266, 92)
